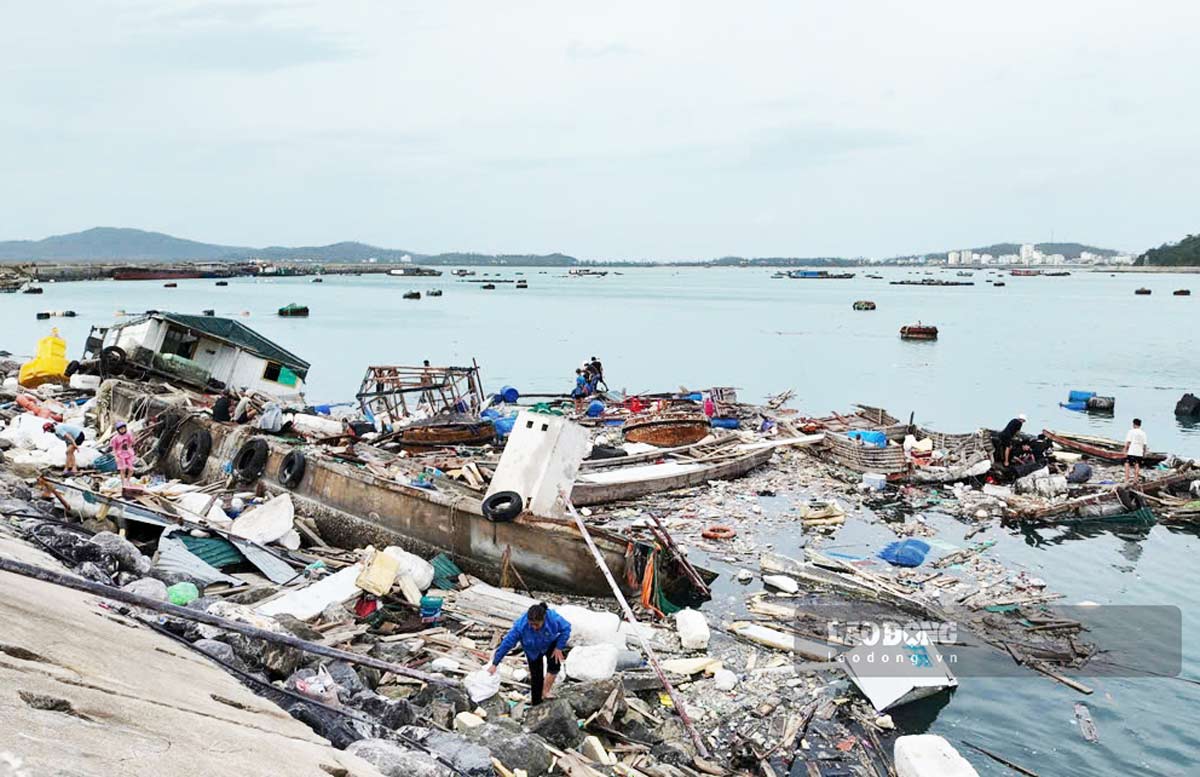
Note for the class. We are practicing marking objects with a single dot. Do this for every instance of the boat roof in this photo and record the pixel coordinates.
(235, 333)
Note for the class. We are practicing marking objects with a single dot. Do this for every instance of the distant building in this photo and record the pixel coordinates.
(1028, 251)
(952, 257)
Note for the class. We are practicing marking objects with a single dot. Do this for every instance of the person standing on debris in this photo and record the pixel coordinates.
(1009, 434)
(581, 390)
(124, 452)
(597, 370)
(543, 635)
(1135, 450)
(73, 437)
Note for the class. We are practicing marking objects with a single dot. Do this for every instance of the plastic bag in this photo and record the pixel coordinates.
(482, 685)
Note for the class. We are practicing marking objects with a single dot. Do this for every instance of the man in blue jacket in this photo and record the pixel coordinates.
(543, 635)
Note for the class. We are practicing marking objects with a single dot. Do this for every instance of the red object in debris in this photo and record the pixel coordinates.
(365, 606)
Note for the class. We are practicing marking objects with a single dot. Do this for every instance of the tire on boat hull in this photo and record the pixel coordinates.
(502, 506)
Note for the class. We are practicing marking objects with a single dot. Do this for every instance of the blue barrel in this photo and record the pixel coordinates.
(595, 408)
(1078, 407)
(1080, 396)
(509, 394)
(504, 426)
(726, 423)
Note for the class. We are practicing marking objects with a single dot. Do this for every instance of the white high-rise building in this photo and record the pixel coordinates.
(952, 257)
(1028, 251)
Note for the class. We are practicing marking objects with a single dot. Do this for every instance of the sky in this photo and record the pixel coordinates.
(661, 130)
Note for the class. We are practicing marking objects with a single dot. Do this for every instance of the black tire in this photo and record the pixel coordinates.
(502, 506)
(194, 454)
(168, 426)
(112, 359)
(251, 460)
(291, 469)
(72, 368)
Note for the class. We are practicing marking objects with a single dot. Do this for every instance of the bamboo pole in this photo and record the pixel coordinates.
(676, 700)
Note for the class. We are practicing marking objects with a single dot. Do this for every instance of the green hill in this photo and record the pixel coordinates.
(1185, 253)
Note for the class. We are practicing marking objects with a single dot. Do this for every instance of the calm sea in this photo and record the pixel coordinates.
(1002, 351)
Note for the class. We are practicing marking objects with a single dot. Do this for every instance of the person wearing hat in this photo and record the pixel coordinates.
(124, 452)
(1009, 434)
(72, 436)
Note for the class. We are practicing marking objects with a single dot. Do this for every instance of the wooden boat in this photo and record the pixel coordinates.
(32, 290)
(612, 485)
(171, 285)
(1142, 291)
(918, 331)
(667, 431)
(488, 287)
(998, 283)
(433, 293)
(318, 279)
(412, 295)
(819, 275)
(444, 433)
(1097, 447)
(522, 284)
(1182, 293)
(864, 304)
(222, 283)
(292, 310)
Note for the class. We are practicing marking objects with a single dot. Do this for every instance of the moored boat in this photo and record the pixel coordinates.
(864, 304)
(170, 285)
(918, 331)
(412, 295)
(318, 279)
(32, 290)
(612, 485)
(488, 287)
(292, 310)
(1142, 291)
(433, 293)
(1182, 292)
(222, 283)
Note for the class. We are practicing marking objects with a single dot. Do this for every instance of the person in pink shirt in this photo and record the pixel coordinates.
(124, 452)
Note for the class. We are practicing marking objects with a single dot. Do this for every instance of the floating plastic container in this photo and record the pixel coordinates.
(1080, 396)
(431, 609)
(1078, 406)
(504, 426)
(726, 423)
(874, 481)
(49, 365)
(509, 394)
(905, 553)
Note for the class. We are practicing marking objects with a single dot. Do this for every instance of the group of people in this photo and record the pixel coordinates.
(588, 380)
(1018, 453)
(122, 444)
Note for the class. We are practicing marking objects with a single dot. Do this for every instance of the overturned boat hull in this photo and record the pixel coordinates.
(613, 485)
(669, 432)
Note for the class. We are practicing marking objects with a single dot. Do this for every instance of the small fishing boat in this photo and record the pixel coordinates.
(612, 485)
(918, 331)
(412, 295)
(318, 279)
(998, 283)
(170, 285)
(442, 433)
(433, 293)
(668, 430)
(864, 304)
(292, 310)
(488, 287)
(1182, 292)
(1097, 447)
(1142, 291)
(522, 284)
(32, 290)
(222, 283)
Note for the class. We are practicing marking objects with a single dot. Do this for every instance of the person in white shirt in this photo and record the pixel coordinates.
(1135, 450)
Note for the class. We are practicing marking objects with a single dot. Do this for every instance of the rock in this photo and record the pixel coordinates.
(676, 747)
(295, 626)
(148, 587)
(90, 570)
(469, 758)
(466, 720)
(218, 650)
(587, 697)
(279, 661)
(391, 713)
(555, 721)
(123, 552)
(725, 680)
(202, 603)
(395, 652)
(349, 683)
(392, 760)
(444, 665)
(336, 613)
(253, 595)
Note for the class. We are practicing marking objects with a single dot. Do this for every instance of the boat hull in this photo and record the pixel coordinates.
(668, 432)
(609, 486)
(469, 433)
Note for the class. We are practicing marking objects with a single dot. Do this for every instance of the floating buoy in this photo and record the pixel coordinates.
(718, 532)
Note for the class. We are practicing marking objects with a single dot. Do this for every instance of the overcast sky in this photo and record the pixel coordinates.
(604, 130)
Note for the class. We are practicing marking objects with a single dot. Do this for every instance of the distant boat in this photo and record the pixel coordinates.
(1177, 292)
(433, 293)
(32, 290)
(170, 285)
(823, 275)
(222, 283)
(521, 284)
(579, 273)
(292, 310)
(918, 331)
(864, 304)
(488, 286)
(412, 295)
(997, 283)
(1142, 291)
(462, 273)
(414, 271)
(318, 279)
(1026, 273)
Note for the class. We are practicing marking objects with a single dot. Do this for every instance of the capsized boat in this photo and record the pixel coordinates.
(1097, 447)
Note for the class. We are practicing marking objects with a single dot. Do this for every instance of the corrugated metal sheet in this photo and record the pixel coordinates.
(276, 569)
(173, 556)
(217, 551)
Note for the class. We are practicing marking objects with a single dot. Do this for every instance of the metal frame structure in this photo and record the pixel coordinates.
(394, 392)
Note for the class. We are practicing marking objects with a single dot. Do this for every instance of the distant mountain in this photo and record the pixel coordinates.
(110, 244)
(113, 244)
(1068, 250)
(1185, 253)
